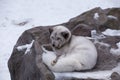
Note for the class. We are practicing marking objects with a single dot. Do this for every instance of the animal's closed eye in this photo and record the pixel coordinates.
(58, 38)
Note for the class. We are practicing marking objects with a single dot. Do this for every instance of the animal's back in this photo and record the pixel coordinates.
(84, 51)
(81, 55)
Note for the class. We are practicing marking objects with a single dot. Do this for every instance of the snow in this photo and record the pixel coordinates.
(44, 10)
(96, 16)
(111, 32)
(35, 13)
(26, 46)
(96, 36)
(112, 17)
(116, 51)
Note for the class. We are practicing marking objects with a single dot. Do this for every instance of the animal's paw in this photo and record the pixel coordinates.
(53, 62)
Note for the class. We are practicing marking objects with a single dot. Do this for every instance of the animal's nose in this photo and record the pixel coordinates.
(53, 45)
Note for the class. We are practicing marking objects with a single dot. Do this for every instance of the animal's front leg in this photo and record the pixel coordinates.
(55, 61)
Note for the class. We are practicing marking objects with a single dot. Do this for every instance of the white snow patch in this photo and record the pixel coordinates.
(116, 51)
(111, 32)
(95, 35)
(27, 47)
(96, 16)
(112, 17)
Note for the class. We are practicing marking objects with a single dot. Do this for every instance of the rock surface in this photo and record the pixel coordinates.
(29, 66)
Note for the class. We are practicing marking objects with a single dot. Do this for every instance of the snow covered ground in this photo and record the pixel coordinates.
(34, 13)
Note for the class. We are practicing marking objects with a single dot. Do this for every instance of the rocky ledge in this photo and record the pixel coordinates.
(25, 62)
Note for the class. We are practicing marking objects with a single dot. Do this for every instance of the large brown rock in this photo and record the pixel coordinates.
(30, 66)
(25, 66)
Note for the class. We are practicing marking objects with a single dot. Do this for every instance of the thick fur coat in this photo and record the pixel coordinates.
(80, 54)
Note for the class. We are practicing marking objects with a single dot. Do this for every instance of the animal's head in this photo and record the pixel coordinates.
(59, 36)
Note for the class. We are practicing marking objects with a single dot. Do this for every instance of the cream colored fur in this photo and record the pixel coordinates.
(80, 54)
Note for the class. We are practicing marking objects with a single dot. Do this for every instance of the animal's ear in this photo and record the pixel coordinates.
(50, 30)
(65, 34)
